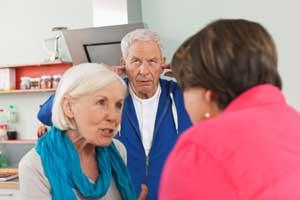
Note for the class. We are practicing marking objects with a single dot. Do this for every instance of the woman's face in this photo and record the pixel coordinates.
(198, 102)
(97, 115)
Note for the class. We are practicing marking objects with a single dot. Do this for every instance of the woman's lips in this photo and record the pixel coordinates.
(107, 132)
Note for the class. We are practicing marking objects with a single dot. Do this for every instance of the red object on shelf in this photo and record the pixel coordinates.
(38, 70)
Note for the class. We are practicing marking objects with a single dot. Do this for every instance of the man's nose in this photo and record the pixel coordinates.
(144, 68)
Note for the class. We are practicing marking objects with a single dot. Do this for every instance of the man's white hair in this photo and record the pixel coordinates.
(78, 81)
(139, 35)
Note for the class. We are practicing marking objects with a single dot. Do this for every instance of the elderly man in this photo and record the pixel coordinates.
(153, 114)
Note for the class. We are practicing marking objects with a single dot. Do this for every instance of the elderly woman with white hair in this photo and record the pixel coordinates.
(79, 158)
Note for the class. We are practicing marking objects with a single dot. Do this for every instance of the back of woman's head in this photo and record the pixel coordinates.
(76, 82)
(227, 57)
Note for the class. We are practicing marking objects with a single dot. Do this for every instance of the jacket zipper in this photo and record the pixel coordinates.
(147, 165)
(154, 134)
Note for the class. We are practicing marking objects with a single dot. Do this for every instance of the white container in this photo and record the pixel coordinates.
(7, 78)
(3, 132)
(25, 83)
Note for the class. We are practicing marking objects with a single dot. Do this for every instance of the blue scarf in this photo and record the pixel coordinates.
(61, 166)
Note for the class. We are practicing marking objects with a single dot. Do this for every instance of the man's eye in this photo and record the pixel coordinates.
(152, 62)
(119, 105)
(136, 62)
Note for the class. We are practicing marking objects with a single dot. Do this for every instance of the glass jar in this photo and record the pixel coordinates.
(46, 82)
(49, 82)
(56, 79)
(25, 83)
(35, 83)
(32, 83)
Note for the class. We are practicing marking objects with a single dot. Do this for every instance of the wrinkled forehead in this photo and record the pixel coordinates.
(147, 49)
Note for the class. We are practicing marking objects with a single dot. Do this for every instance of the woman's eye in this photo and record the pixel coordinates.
(101, 102)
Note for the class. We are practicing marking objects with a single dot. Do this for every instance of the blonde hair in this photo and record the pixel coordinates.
(76, 82)
(139, 35)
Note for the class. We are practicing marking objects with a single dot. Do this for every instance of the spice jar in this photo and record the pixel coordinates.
(56, 79)
(49, 82)
(25, 83)
(32, 83)
(35, 83)
(46, 82)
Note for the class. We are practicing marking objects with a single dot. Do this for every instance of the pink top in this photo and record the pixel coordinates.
(251, 151)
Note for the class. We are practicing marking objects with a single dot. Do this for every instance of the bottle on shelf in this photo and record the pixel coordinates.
(11, 121)
(3, 158)
(3, 125)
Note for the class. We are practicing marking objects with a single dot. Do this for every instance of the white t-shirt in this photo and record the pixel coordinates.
(146, 110)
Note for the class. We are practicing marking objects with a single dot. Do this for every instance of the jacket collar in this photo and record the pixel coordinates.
(161, 110)
(257, 96)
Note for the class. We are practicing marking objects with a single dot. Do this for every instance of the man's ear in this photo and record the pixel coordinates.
(163, 62)
(67, 107)
(122, 62)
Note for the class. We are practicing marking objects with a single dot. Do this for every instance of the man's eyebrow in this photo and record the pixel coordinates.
(133, 57)
(154, 58)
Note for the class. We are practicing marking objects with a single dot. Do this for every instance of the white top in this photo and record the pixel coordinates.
(34, 184)
(146, 110)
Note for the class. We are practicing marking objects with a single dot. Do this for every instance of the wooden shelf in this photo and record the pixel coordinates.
(18, 142)
(12, 184)
(26, 91)
(36, 64)
(36, 70)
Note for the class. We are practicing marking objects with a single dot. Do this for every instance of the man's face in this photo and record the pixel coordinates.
(143, 67)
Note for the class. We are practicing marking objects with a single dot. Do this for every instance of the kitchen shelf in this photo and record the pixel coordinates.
(17, 141)
(27, 91)
(12, 184)
(34, 71)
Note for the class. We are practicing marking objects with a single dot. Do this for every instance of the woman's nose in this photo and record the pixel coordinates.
(112, 114)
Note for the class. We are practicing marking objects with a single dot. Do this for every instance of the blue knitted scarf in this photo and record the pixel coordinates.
(61, 166)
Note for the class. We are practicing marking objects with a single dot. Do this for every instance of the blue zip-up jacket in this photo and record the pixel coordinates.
(169, 123)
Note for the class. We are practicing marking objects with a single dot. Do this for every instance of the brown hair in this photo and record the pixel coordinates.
(228, 56)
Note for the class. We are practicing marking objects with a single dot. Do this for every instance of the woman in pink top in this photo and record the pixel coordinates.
(245, 142)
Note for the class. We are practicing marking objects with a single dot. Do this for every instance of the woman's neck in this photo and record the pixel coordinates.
(87, 154)
(82, 146)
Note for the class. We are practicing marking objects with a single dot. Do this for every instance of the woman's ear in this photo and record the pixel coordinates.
(67, 106)
(209, 97)
(211, 102)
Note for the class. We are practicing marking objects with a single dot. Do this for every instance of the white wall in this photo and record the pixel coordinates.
(176, 20)
(26, 23)
(27, 105)
(108, 12)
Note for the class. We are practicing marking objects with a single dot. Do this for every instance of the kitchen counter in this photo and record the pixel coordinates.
(11, 184)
